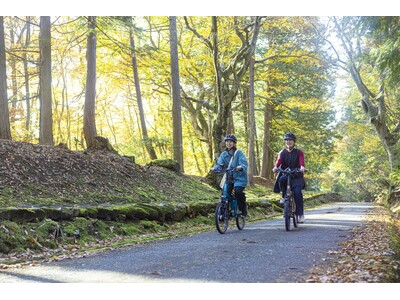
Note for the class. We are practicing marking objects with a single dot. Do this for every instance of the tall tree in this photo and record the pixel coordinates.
(46, 119)
(176, 97)
(147, 141)
(252, 169)
(26, 73)
(5, 132)
(371, 46)
(14, 78)
(89, 120)
(229, 74)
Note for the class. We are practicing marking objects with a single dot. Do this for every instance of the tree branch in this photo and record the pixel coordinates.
(206, 41)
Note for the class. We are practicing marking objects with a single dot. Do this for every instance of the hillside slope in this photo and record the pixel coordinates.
(44, 175)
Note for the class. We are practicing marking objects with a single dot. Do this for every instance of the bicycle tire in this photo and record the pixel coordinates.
(240, 222)
(287, 213)
(221, 218)
(295, 223)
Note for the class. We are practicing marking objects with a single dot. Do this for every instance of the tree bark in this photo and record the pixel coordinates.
(176, 98)
(265, 167)
(14, 83)
(147, 141)
(46, 119)
(26, 74)
(5, 132)
(229, 78)
(252, 126)
(89, 120)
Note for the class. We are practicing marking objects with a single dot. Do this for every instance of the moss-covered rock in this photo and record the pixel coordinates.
(59, 214)
(22, 214)
(165, 163)
(180, 212)
(202, 208)
(90, 212)
(108, 213)
(152, 212)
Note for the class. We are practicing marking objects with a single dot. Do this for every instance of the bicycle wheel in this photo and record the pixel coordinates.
(240, 222)
(221, 217)
(294, 216)
(295, 220)
(287, 213)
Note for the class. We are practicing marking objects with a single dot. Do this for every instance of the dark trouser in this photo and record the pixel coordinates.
(298, 195)
(241, 196)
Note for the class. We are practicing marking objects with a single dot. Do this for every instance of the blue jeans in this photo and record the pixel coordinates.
(298, 195)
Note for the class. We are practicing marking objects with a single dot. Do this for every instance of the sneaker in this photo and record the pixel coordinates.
(282, 200)
(301, 219)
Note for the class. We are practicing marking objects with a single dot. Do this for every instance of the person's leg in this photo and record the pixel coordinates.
(241, 197)
(230, 189)
(283, 184)
(298, 199)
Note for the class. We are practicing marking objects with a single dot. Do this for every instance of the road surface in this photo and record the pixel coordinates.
(261, 253)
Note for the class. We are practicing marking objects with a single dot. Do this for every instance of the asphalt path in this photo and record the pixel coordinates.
(264, 252)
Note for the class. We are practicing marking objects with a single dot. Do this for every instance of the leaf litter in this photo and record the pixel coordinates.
(371, 255)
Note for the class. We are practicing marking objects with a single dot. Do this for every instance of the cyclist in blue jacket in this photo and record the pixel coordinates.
(240, 163)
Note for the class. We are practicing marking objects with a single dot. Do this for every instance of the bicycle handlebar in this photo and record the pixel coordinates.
(221, 170)
(288, 171)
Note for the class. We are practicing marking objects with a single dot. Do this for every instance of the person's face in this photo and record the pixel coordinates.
(289, 144)
(229, 144)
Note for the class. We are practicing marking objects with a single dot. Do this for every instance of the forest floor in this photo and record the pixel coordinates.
(34, 175)
(372, 254)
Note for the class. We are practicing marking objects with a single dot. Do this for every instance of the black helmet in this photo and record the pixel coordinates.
(290, 136)
(231, 137)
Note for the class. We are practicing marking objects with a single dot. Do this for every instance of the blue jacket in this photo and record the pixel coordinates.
(240, 178)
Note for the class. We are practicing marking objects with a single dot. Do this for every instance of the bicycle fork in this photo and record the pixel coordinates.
(290, 197)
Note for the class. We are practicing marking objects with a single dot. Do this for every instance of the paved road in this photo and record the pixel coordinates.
(262, 252)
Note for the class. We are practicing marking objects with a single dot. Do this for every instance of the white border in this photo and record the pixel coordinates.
(199, 8)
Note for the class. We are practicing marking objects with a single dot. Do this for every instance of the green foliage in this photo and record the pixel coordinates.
(385, 53)
(359, 169)
(372, 45)
(289, 58)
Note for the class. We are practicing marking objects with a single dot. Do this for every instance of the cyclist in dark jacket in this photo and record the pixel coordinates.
(291, 157)
(240, 163)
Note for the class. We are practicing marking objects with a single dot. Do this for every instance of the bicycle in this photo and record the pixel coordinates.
(289, 206)
(227, 207)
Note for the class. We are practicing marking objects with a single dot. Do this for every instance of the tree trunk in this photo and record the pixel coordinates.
(265, 168)
(227, 76)
(252, 126)
(176, 98)
(14, 83)
(26, 74)
(46, 119)
(374, 105)
(89, 120)
(228, 79)
(147, 141)
(5, 132)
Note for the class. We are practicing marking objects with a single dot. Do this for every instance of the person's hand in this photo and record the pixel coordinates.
(302, 169)
(239, 168)
(274, 169)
